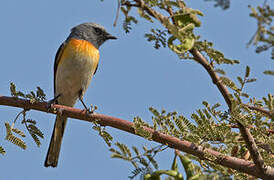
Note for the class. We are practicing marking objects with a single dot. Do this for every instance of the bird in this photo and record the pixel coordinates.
(75, 64)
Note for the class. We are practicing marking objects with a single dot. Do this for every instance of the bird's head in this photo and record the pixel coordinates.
(92, 32)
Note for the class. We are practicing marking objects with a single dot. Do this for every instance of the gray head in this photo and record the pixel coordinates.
(91, 32)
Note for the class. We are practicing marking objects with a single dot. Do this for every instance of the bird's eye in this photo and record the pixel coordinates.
(98, 31)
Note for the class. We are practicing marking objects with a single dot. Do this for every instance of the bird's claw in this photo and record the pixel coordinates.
(52, 101)
(92, 109)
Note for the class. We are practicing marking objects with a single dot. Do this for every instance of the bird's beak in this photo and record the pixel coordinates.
(109, 36)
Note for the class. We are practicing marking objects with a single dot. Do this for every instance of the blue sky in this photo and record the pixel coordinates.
(132, 76)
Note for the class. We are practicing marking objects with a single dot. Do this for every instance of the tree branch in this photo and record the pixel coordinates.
(251, 145)
(185, 146)
(250, 142)
(215, 78)
(270, 114)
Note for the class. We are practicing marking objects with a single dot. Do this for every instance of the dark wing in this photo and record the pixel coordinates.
(96, 69)
(57, 60)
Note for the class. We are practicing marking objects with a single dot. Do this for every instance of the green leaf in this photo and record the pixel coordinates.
(152, 161)
(174, 164)
(8, 128)
(171, 3)
(124, 11)
(240, 80)
(31, 121)
(269, 72)
(107, 137)
(116, 155)
(143, 161)
(247, 71)
(19, 132)
(229, 83)
(220, 71)
(13, 89)
(124, 149)
(216, 106)
(251, 80)
(36, 139)
(35, 130)
(135, 149)
(158, 36)
(144, 15)
(185, 18)
(206, 104)
(136, 172)
(139, 125)
(2, 150)
(187, 123)
(41, 96)
(187, 44)
(188, 166)
(17, 141)
(156, 175)
(245, 95)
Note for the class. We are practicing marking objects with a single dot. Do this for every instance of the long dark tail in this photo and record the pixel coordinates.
(55, 142)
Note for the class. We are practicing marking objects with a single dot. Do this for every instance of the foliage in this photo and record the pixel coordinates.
(14, 139)
(269, 72)
(264, 34)
(38, 96)
(29, 124)
(142, 168)
(141, 162)
(139, 128)
(31, 127)
(224, 4)
(158, 36)
(215, 56)
(242, 82)
(211, 126)
(128, 19)
(186, 20)
(2, 150)
(33, 130)
(103, 133)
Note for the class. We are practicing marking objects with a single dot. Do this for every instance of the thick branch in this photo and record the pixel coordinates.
(185, 146)
(252, 147)
(270, 114)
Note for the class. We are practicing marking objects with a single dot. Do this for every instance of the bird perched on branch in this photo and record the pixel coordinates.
(75, 64)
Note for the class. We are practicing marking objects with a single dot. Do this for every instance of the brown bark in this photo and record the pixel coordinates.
(185, 146)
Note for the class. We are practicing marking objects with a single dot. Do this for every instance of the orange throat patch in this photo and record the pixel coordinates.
(80, 48)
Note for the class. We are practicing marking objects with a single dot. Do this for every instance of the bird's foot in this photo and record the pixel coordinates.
(88, 110)
(52, 101)
(60, 111)
(92, 109)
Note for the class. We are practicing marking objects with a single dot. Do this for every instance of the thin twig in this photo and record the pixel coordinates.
(18, 116)
(117, 13)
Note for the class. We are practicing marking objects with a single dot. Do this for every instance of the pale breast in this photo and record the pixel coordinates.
(75, 70)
